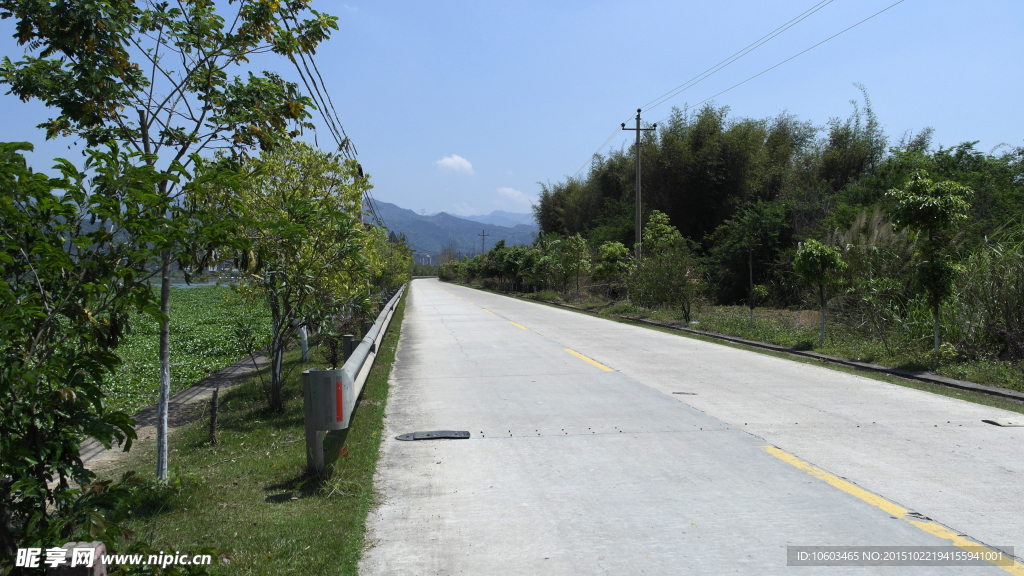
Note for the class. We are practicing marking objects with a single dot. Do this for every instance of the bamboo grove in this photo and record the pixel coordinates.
(914, 247)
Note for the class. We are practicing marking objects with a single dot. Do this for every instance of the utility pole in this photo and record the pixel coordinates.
(483, 238)
(638, 131)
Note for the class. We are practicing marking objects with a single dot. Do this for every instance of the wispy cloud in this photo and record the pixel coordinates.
(455, 163)
(513, 199)
(350, 8)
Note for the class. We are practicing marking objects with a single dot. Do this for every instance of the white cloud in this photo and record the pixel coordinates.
(455, 163)
(513, 199)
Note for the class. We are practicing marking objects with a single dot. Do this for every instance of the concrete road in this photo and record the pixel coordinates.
(583, 461)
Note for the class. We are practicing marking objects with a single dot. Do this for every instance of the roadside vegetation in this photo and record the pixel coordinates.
(248, 498)
(188, 163)
(832, 238)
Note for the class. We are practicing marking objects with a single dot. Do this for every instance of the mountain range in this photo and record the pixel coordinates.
(430, 233)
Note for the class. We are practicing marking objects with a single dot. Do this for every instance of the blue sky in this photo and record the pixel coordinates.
(465, 106)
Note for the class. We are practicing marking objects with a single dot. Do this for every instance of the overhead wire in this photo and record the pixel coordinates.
(714, 69)
(598, 151)
(736, 56)
(795, 55)
(325, 105)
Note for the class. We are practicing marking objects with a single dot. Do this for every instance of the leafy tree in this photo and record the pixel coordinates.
(744, 248)
(932, 208)
(75, 265)
(449, 271)
(614, 265)
(576, 258)
(670, 272)
(817, 264)
(389, 257)
(307, 243)
(159, 78)
(549, 268)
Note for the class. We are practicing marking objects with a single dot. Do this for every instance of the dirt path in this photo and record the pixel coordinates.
(184, 407)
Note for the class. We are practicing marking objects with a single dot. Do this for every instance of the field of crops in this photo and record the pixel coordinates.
(203, 321)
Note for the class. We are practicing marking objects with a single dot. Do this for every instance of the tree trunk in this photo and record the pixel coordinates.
(276, 401)
(165, 369)
(821, 298)
(750, 292)
(935, 326)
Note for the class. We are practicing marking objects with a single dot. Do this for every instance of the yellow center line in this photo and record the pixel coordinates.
(888, 507)
(517, 325)
(588, 360)
(472, 303)
(459, 297)
(486, 310)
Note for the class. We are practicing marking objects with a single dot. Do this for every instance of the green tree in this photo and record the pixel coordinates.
(816, 264)
(576, 258)
(163, 80)
(390, 259)
(307, 243)
(614, 265)
(76, 256)
(669, 273)
(549, 267)
(932, 208)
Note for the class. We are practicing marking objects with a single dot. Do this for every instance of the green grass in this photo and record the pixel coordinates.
(975, 397)
(202, 342)
(801, 329)
(250, 496)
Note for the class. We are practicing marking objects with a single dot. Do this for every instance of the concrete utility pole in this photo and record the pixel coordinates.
(638, 131)
(483, 238)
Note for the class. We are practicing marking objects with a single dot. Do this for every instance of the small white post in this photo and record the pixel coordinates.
(305, 342)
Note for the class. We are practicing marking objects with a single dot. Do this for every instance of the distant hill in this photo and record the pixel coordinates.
(431, 233)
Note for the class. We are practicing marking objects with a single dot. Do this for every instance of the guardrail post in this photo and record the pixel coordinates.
(348, 345)
(329, 396)
(314, 437)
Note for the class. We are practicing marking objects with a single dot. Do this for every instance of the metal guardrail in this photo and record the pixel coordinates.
(330, 396)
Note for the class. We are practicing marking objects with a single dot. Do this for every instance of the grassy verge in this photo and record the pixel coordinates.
(249, 496)
(202, 342)
(800, 329)
(775, 335)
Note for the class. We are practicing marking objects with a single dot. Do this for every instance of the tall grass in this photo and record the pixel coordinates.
(985, 318)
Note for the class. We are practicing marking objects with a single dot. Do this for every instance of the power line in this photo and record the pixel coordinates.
(740, 54)
(599, 148)
(749, 48)
(714, 69)
(325, 105)
(794, 56)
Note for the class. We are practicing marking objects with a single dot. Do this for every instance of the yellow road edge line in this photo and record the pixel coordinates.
(516, 325)
(893, 509)
(588, 360)
(486, 310)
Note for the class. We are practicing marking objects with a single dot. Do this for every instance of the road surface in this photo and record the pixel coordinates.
(604, 448)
